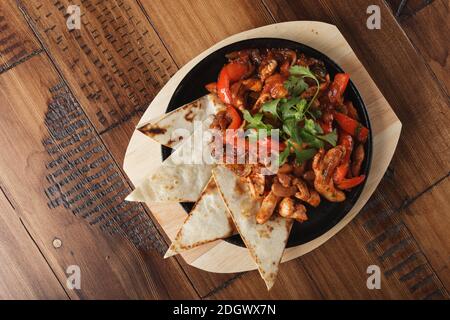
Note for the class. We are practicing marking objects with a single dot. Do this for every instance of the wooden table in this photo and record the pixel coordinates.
(70, 100)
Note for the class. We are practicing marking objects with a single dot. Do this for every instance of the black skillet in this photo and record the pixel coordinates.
(328, 214)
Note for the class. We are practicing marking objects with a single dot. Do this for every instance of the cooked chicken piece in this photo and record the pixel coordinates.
(273, 88)
(324, 165)
(314, 199)
(281, 191)
(257, 183)
(305, 194)
(299, 169)
(267, 68)
(358, 157)
(303, 190)
(285, 179)
(309, 176)
(240, 89)
(267, 207)
(288, 209)
(285, 168)
(241, 170)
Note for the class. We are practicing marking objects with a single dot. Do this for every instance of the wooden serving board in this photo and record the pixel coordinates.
(144, 155)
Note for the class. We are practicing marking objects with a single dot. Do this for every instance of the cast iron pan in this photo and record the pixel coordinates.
(192, 87)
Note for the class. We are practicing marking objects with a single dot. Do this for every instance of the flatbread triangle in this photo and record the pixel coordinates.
(208, 221)
(265, 242)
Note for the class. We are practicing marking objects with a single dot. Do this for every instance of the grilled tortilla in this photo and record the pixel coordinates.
(177, 125)
(208, 221)
(266, 242)
(181, 177)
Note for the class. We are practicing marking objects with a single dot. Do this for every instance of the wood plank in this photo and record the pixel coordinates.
(292, 283)
(116, 53)
(203, 22)
(16, 40)
(428, 219)
(337, 270)
(48, 144)
(24, 273)
(428, 31)
(115, 63)
(402, 8)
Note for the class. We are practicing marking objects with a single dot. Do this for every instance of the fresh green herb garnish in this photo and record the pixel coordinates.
(303, 155)
(255, 122)
(271, 107)
(310, 126)
(295, 85)
(311, 139)
(290, 112)
(284, 154)
(331, 137)
(303, 72)
(293, 108)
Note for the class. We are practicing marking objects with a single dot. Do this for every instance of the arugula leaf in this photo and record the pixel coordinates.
(284, 154)
(331, 138)
(295, 85)
(271, 107)
(305, 154)
(255, 122)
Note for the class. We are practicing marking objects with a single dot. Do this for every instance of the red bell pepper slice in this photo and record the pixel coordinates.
(230, 73)
(211, 87)
(346, 141)
(326, 123)
(337, 88)
(235, 117)
(352, 127)
(350, 183)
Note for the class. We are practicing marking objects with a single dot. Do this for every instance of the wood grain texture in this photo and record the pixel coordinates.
(37, 150)
(403, 242)
(428, 31)
(407, 8)
(17, 42)
(202, 22)
(337, 270)
(428, 219)
(114, 63)
(24, 273)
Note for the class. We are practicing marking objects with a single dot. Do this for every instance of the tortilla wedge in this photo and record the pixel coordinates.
(177, 125)
(266, 242)
(208, 221)
(181, 177)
